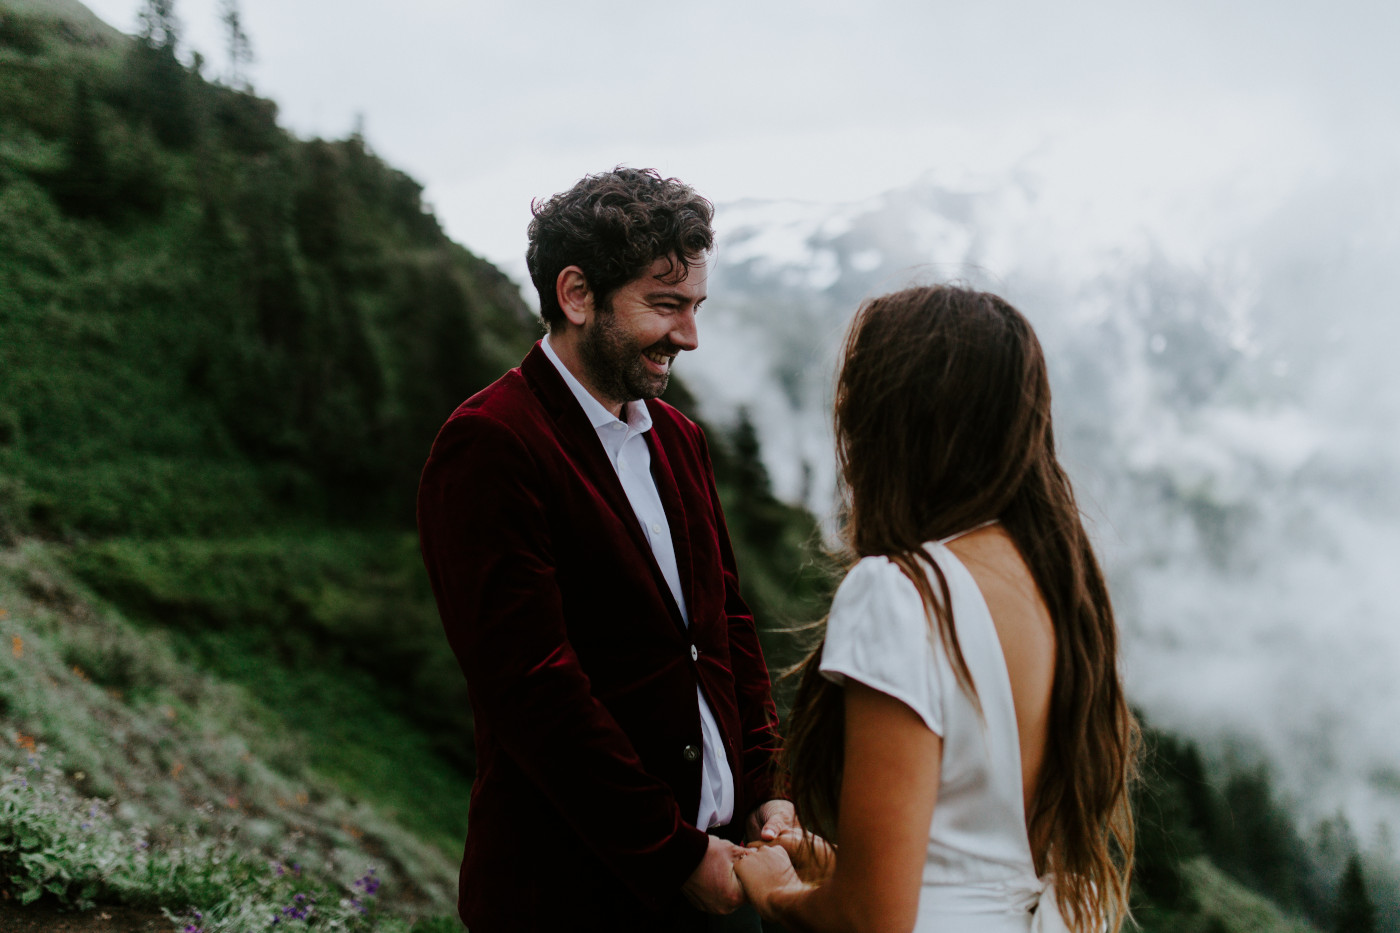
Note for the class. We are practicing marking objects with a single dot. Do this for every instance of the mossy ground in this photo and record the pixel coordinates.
(215, 771)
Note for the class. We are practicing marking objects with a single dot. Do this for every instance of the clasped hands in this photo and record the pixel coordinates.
(776, 857)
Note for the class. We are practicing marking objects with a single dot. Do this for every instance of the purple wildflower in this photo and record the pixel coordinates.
(294, 912)
(369, 883)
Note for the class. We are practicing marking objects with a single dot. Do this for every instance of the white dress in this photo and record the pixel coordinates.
(979, 876)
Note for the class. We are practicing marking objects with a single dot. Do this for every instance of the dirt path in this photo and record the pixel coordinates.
(46, 919)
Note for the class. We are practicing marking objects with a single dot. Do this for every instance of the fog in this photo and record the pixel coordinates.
(1226, 402)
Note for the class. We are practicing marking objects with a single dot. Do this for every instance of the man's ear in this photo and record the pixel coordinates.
(575, 297)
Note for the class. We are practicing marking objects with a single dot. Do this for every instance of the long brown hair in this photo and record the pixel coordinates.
(942, 423)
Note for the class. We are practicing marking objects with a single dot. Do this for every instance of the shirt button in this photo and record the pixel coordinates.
(655, 528)
(621, 467)
(694, 653)
(691, 753)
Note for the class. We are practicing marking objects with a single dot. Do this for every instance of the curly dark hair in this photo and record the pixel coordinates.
(614, 225)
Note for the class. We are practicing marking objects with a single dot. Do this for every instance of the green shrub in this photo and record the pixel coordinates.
(58, 845)
(21, 33)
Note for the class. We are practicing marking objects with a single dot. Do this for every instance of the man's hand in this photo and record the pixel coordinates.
(713, 887)
(771, 820)
(769, 879)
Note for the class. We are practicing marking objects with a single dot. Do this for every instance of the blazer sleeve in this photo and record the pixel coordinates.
(758, 716)
(486, 543)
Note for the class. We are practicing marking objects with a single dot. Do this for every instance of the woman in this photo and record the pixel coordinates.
(961, 736)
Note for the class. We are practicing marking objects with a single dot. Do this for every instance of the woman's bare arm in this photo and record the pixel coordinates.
(887, 797)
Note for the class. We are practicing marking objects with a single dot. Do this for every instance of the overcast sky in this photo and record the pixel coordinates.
(491, 104)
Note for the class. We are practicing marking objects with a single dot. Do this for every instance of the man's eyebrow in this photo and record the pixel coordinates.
(674, 293)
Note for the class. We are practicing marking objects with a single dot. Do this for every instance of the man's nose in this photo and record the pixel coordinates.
(684, 333)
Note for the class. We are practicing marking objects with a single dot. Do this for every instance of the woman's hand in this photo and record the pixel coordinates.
(813, 858)
(769, 879)
(888, 794)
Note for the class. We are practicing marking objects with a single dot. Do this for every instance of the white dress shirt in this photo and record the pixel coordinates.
(629, 454)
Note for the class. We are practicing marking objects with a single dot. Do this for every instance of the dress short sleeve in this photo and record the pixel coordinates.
(877, 634)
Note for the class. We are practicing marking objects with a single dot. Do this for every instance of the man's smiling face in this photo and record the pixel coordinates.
(633, 338)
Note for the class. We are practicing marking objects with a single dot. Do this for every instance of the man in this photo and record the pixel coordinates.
(583, 571)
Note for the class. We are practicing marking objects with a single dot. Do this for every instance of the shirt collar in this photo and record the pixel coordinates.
(638, 417)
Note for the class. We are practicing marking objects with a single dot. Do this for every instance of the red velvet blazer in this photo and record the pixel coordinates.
(579, 666)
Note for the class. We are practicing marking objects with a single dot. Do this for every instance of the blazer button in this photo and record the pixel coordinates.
(691, 753)
(694, 653)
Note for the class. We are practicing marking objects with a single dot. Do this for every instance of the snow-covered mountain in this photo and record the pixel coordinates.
(1225, 400)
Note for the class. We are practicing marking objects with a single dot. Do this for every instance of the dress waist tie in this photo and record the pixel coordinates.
(1032, 896)
(1046, 917)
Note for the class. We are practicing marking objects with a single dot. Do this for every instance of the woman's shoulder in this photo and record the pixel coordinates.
(876, 591)
(869, 571)
(878, 633)
(873, 579)
(878, 576)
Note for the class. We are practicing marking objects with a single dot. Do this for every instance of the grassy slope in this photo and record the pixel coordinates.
(185, 754)
(85, 24)
(299, 621)
(194, 635)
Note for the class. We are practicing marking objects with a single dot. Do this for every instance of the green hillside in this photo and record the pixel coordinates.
(224, 352)
(76, 22)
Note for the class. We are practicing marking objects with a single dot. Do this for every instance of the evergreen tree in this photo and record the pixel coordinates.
(1163, 806)
(159, 27)
(763, 517)
(84, 184)
(240, 48)
(159, 85)
(750, 475)
(1201, 797)
(1355, 912)
(1333, 844)
(1259, 845)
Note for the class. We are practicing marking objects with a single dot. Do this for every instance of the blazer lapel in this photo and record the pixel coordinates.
(581, 439)
(670, 494)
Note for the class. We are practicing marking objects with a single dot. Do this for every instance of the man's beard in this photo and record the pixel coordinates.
(613, 361)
